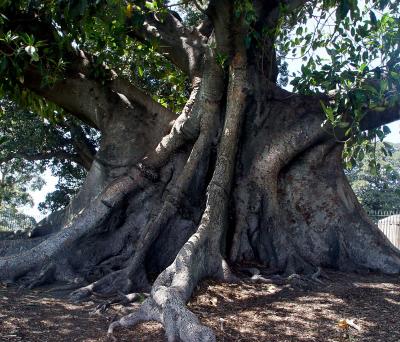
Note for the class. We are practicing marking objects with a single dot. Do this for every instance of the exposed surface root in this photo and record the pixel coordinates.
(147, 312)
(294, 280)
(169, 295)
(198, 258)
(13, 245)
(16, 266)
(123, 299)
(243, 311)
(134, 277)
(45, 276)
(110, 285)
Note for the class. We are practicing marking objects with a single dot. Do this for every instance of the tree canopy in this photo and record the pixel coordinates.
(349, 52)
(205, 163)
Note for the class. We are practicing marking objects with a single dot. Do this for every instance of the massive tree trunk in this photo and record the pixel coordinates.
(245, 173)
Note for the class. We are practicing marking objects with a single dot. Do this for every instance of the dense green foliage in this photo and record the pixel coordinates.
(379, 190)
(99, 28)
(350, 51)
(18, 176)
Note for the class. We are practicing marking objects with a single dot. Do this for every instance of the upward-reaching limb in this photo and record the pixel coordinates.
(181, 45)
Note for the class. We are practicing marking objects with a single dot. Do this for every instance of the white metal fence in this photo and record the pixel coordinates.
(389, 223)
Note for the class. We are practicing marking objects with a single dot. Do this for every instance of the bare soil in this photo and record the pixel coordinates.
(236, 312)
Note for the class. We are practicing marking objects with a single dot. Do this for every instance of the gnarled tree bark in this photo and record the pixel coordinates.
(244, 173)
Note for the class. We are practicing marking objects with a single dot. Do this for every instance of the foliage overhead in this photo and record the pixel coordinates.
(98, 28)
(349, 51)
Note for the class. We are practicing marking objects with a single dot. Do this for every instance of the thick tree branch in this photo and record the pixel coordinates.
(375, 119)
(85, 150)
(272, 12)
(370, 120)
(181, 45)
(78, 95)
(91, 100)
(71, 93)
(135, 95)
(220, 14)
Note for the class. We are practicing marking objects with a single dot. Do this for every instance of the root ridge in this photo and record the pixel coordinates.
(295, 280)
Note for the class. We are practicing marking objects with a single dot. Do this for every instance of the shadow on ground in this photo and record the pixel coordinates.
(236, 312)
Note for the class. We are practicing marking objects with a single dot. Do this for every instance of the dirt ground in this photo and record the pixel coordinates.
(236, 312)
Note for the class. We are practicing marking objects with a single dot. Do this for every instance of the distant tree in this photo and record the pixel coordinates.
(30, 144)
(13, 221)
(376, 180)
(16, 180)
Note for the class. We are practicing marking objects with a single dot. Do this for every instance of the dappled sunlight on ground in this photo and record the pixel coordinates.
(271, 313)
(236, 312)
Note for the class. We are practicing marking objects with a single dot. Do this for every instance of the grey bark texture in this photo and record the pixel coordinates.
(245, 173)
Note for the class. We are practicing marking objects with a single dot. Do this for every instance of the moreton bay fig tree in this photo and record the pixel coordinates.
(204, 160)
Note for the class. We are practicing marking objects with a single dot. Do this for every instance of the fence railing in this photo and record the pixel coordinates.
(389, 223)
(14, 222)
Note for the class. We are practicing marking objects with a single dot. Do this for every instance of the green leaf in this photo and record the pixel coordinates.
(370, 89)
(372, 16)
(361, 155)
(386, 130)
(343, 9)
(372, 167)
(151, 5)
(383, 4)
(35, 57)
(329, 112)
(362, 67)
(380, 134)
(3, 64)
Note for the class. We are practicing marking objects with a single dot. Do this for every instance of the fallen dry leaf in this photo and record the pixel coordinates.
(345, 324)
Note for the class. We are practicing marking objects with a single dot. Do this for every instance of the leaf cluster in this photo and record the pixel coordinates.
(378, 190)
(352, 55)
